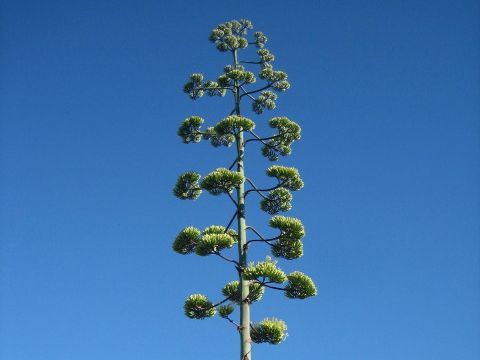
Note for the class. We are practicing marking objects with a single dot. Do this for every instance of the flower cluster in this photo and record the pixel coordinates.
(189, 129)
(277, 78)
(289, 245)
(197, 306)
(211, 240)
(218, 140)
(187, 187)
(288, 177)
(232, 291)
(196, 87)
(230, 35)
(299, 286)
(265, 56)
(233, 124)
(186, 240)
(213, 243)
(272, 331)
(265, 269)
(221, 181)
(266, 100)
(277, 200)
(260, 39)
(225, 310)
(280, 144)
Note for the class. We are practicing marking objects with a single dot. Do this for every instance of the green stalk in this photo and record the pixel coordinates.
(245, 341)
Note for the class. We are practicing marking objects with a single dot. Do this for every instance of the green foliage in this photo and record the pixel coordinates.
(230, 35)
(288, 246)
(189, 130)
(277, 200)
(291, 229)
(300, 286)
(266, 100)
(221, 181)
(265, 56)
(277, 78)
(213, 88)
(287, 249)
(233, 291)
(186, 240)
(218, 229)
(233, 124)
(225, 310)
(288, 177)
(194, 86)
(264, 269)
(212, 243)
(272, 331)
(212, 239)
(187, 187)
(280, 144)
(223, 134)
(197, 306)
(260, 39)
(218, 140)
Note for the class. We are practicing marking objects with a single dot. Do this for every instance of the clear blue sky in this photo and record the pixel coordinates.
(387, 93)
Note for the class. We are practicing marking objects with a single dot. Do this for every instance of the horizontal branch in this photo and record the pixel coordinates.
(221, 302)
(255, 231)
(246, 93)
(259, 240)
(267, 284)
(251, 62)
(258, 90)
(258, 138)
(225, 258)
(256, 189)
(267, 138)
(265, 190)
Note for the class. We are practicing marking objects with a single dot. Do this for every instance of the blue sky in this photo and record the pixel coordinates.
(387, 93)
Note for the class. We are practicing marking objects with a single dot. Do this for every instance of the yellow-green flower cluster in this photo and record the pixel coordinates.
(277, 200)
(289, 245)
(266, 100)
(280, 144)
(221, 181)
(225, 310)
(265, 56)
(186, 240)
(218, 140)
(300, 286)
(197, 306)
(272, 331)
(265, 269)
(230, 35)
(288, 177)
(260, 39)
(212, 239)
(232, 291)
(187, 187)
(233, 124)
(213, 243)
(189, 129)
(277, 78)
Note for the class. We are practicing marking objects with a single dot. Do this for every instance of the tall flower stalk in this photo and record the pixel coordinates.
(253, 278)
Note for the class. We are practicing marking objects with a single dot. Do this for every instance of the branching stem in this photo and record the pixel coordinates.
(225, 258)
